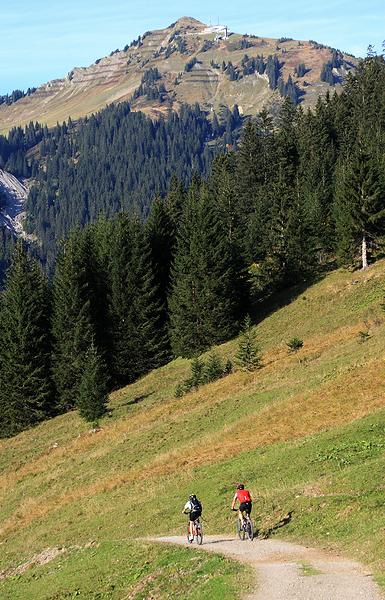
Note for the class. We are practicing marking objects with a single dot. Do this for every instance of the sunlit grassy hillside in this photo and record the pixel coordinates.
(306, 432)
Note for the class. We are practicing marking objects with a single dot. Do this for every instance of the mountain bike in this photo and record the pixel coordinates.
(245, 527)
(197, 534)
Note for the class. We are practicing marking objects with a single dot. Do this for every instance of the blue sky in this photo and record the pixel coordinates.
(43, 39)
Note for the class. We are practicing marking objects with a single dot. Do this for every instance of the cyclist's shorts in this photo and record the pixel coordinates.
(194, 514)
(245, 507)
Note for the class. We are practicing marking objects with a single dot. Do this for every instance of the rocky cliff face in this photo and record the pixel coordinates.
(194, 63)
(12, 209)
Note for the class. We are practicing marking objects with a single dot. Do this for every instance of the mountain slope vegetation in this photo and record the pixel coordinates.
(131, 294)
(297, 173)
(188, 62)
(299, 418)
(305, 431)
(114, 161)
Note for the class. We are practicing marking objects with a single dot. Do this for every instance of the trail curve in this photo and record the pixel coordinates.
(287, 571)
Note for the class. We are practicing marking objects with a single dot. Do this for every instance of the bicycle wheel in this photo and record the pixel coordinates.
(250, 529)
(199, 533)
(240, 530)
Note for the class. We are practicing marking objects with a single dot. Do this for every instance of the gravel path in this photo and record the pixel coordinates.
(290, 572)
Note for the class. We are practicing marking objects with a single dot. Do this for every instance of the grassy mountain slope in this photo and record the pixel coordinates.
(306, 432)
(116, 77)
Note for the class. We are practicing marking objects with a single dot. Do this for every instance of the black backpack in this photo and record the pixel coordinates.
(196, 505)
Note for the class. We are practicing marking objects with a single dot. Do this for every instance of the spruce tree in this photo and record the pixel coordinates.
(317, 151)
(25, 384)
(300, 70)
(92, 393)
(360, 212)
(216, 128)
(213, 368)
(248, 355)
(202, 303)
(287, 252)
(224, 188)
(138, 332)
(290, 252)
(273, 68)
(160, 236)
(254, 172)
(197, 373)
(73, 327)
(248, 175)
(173, 204)
(98, 241)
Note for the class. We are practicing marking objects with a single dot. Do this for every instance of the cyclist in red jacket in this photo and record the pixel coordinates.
(244, 499)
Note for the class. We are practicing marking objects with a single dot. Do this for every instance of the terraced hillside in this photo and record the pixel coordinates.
(306, 432)
(116, 77)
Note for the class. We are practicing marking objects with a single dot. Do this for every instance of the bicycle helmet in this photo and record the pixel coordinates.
(192, 496)
(240, 486)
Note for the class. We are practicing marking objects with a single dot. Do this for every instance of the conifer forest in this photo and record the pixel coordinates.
(155, 239)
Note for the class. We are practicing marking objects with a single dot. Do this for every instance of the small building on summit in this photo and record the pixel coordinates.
(221, 31)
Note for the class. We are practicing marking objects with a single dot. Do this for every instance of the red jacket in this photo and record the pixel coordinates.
(243, 496)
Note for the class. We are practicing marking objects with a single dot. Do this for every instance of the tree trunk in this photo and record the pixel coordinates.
(364, 252)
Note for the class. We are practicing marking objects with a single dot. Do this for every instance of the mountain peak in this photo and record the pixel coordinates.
(188, 62)
(189, 22)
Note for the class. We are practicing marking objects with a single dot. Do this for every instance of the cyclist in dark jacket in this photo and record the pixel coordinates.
(193, 508)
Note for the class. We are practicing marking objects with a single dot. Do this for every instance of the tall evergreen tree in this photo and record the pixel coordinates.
(174, 201)
(360, 207)
(25, 383)
(288, 251)
(249, 174)
(317, 155)
(73, 327)
(223, 187)
(254, 171)
(138, 331)
(202, 305)
(97, 239)
(160, 235)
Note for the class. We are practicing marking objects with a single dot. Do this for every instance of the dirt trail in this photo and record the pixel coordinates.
(290, 572)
